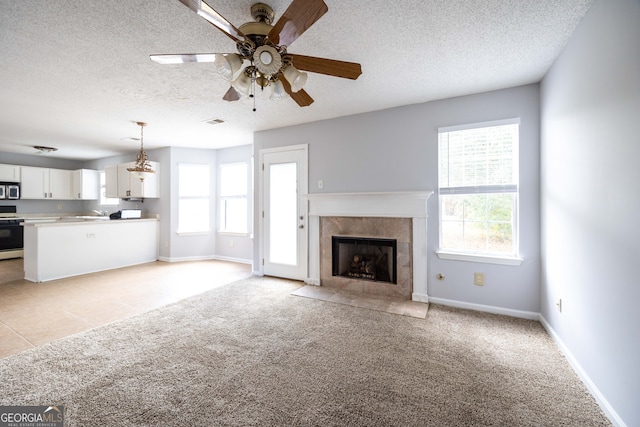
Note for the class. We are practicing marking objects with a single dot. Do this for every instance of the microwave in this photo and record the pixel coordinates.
(9, 191)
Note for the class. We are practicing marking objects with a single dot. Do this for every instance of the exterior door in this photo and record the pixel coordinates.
(284, 212)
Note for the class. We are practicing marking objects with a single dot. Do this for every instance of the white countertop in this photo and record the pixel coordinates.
(63, 221)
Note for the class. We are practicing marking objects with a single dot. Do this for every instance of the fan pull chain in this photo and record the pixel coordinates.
(253, 93)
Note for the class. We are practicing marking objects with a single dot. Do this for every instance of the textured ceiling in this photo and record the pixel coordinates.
(76, 75)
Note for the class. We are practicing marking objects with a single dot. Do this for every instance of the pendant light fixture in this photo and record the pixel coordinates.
(142, 168)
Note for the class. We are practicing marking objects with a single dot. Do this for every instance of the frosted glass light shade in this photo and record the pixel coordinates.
(242, 84)
(142, 175)
(227, 65)
(267, 60)
(277, 91)
(296, 78)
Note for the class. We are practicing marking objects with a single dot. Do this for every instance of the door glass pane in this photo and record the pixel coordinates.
(283, 224)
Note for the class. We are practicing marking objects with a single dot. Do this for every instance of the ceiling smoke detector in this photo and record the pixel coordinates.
(43, 149)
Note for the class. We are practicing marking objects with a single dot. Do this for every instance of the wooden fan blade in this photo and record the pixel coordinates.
(183, 58)
(330, 67)
(301, 97)
(299, 16)
(207, 12)
(231, 95)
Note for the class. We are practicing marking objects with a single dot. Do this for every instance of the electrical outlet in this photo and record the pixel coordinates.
(478, 279)
(320, 183)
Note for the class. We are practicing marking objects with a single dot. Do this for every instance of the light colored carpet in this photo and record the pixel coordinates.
(250, 354)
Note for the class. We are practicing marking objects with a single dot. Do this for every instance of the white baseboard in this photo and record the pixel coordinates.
(486, 308)
(595, 392)
(205, 258)
(186, 258)
(231, 259)
(310, 281)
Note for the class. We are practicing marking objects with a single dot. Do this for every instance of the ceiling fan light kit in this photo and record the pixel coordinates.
(243, 83)
(227, 65)
(296, 78)
(264, 48)
(277, 91)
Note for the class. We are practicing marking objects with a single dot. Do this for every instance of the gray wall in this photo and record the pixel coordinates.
(590, 102)
(396, 150)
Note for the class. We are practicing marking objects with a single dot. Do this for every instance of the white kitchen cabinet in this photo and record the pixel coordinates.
(111, 181)
(60, 184)
(44, 183)
(123, 184)
(9, 173)
(85, 184)
(33, 183)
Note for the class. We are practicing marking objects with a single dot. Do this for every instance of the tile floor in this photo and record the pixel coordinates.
(32, 314)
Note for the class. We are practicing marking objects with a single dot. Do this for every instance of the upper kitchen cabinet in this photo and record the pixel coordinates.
(123, 184)
(85, 184)
(44, 183)
(9, 173)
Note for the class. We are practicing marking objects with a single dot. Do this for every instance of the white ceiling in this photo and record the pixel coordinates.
(76, 75)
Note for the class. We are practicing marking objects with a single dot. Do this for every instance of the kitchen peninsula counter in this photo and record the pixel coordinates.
(73, 246)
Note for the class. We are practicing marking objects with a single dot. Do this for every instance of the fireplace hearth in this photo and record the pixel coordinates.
(365, 258)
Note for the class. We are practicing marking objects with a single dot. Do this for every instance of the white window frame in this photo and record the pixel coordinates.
(203, 196)
(513, 188)
(222, 199)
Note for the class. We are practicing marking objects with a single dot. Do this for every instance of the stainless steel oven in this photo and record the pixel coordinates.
(11, 233)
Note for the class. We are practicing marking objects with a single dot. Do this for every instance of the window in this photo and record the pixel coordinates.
(193, 198)
(104, 200)
(233, 198)
(478, 189)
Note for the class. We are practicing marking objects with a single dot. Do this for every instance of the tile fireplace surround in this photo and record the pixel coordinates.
(397, 215)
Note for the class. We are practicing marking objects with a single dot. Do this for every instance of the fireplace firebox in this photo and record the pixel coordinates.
(365, 258)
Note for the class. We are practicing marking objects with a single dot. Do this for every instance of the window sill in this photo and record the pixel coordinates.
(232, 233)
(193, 233)
(485, 259)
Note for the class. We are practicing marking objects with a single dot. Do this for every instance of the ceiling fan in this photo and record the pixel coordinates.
(264, 47)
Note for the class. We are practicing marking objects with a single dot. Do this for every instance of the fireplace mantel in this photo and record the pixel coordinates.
(396, 204)
(388, 204)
